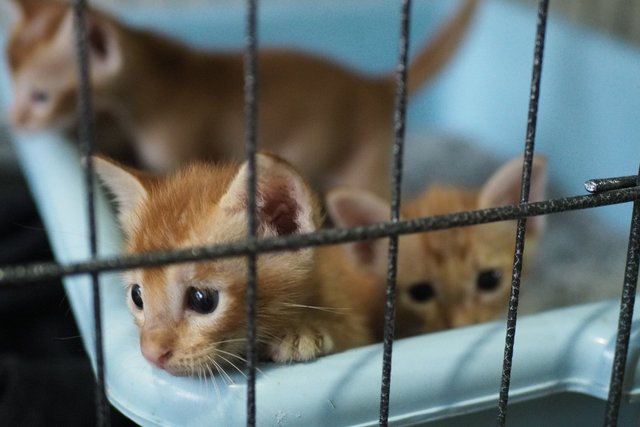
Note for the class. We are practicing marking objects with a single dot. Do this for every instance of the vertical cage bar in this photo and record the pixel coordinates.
(514, 299)
(251, 113)
(627, 302)
(87, 140)
(399, 120)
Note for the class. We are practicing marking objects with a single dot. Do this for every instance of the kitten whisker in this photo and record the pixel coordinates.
(201, 378)
(242, 359)
(223, 372)
(232, 355)
(228, 341)
(233, 365)
(218, 394)
(334, 310)
(215, 382)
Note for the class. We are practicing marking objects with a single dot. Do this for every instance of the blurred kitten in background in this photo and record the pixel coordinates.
(179, 104)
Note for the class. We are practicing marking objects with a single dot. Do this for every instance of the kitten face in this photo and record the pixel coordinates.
(446, 278)
(455, 277)
(43, 63)
(181, 316)
(192, 316)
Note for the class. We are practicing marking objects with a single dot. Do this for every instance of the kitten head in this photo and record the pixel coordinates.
(42, 59)
(451, 277)
(192, 315)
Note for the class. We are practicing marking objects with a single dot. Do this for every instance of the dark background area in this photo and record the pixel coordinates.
(45, 374)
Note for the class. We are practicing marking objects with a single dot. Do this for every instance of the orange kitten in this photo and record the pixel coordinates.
(192, 316)
(452, 277)
(331, 122)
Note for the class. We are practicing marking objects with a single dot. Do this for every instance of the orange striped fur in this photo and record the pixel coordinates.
(309, 303)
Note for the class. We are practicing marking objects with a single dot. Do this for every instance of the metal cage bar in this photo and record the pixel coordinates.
(399, 121)
(514, 299)
(87, 140)
(17, 275)
(627, 302)
(251, 114)
(606, 184)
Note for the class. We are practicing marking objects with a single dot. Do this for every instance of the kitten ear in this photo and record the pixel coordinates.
(37, 22)
(128, 187)
(103, 43)
(284, 202)
(20, 9)
(503, 188)
(352, 208)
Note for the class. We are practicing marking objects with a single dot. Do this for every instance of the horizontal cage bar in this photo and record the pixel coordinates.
(43, 271)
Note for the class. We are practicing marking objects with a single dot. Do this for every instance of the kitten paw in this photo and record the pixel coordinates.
(301, 345)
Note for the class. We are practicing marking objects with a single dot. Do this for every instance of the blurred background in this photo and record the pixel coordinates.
(617, 18)
(620, 18)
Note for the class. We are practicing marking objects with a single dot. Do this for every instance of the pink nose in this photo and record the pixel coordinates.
(17, 116)
(157, 355)
(461, 317)
(156, 348)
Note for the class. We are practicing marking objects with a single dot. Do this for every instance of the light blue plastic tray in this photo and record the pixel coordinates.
(588, 126)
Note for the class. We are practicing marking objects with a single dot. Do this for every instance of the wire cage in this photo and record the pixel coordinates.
(566, 366)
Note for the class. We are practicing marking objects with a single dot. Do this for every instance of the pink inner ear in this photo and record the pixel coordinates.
(356, 208)
(503, 187)
(279, 210)
(352, 215)
(97, 40)
(352, 208)
(365, 252)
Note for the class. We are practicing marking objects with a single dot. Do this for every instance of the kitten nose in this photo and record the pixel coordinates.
(158, 356)
(17, 116)
(459, 318)
(156, 348)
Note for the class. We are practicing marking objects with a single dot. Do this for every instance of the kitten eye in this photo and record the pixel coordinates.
(489, 280)
(422, 291)
(202, 301)
(136, 296)
(39, 96)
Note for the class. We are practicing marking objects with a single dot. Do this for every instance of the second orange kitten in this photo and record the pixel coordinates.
(446, 278)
